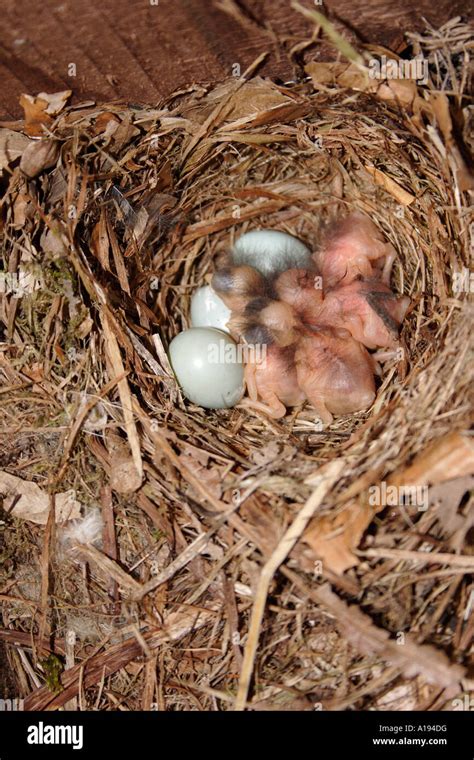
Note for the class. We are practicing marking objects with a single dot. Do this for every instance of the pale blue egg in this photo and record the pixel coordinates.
(208, 367)
(271, 251)
(208, 310)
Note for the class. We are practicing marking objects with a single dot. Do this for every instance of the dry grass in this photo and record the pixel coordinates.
(123, 228)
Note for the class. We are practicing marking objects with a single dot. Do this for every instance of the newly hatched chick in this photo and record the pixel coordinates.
(301, 289)
(271, 329)
(325, 365)
(265, 320)
(272, 383)
(237, 285)
(335, 372)
(367, 308)
(354, 248)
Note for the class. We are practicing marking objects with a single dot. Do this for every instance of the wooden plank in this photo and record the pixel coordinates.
(140, 50)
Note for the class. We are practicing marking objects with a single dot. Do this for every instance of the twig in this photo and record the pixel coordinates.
(331, 474)
(442, 558)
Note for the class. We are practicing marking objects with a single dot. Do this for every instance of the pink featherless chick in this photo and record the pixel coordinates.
(368, 309)
(335, 372)
(353, 248)
(270, 330)
(272, 382)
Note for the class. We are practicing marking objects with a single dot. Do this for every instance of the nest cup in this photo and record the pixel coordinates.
(337, 155)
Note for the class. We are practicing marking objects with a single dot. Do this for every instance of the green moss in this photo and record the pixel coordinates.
(53, 668)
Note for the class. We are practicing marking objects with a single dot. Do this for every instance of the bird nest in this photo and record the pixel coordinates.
(228, 559)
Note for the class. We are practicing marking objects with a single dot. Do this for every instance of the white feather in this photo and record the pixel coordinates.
(87, 530)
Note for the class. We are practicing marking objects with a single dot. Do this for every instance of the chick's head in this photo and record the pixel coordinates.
(301, 289)
(274, 322)
(237, 285)
(349, 250)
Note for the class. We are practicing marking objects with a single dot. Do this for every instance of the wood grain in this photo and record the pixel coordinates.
(139, 51)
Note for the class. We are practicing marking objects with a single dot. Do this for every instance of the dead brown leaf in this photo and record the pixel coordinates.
(100, 244)
(124, 476)
(393, 188)
(102, 122)
(197, 461)
(446, 458)
(446, 497)
(12, 146)
(28, 501)
(35, 115)
(38, 156)
(123, 134)
(55, 101)
(249, 98)
(52, 241)
(354, 77)
(334, 537)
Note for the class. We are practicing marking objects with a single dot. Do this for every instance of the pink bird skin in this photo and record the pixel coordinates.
(354, 248)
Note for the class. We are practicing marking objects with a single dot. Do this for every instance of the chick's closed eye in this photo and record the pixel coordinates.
(275, 320)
